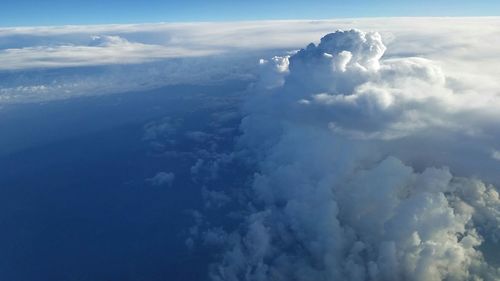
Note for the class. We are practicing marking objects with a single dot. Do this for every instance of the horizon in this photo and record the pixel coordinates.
(20, 27)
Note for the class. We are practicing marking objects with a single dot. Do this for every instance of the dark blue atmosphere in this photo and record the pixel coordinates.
(75, 202)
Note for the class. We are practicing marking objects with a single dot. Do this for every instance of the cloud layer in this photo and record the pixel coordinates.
(172, 53)
(354, 182)
(100, 50)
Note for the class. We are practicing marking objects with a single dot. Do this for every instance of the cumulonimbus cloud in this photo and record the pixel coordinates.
(337, 195)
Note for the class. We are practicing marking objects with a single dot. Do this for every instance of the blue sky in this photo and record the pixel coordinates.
(60, 12)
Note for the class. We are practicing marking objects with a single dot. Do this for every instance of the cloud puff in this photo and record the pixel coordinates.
(162, 178)
(337, 195)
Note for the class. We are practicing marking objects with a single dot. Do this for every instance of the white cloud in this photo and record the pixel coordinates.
(332, 199)
(102, 50)
(448, 35)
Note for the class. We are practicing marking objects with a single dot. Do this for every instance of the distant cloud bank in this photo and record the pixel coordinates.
(135, 57)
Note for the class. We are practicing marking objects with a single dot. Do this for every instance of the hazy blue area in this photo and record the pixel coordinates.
(75, 203)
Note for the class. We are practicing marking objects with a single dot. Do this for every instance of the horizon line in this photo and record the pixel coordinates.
(189, 22)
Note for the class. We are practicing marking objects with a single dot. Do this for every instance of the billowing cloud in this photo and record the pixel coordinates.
(354, 181)
(341, 81)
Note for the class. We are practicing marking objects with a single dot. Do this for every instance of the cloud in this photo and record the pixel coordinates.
(449, 35)
(213, 198)
(161, 179)
(342, 81)
(144, 56)
(102, 50)
(198, 136)
(32, 86)
(495, 154)
(360, 170)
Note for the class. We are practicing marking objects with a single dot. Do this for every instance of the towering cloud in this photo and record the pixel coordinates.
(354, 179)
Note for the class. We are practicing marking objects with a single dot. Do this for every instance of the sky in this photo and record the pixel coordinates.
(59, 12)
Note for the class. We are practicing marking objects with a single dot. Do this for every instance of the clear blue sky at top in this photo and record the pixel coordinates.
(61, 12)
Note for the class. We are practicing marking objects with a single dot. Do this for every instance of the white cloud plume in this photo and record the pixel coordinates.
(332, 199)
